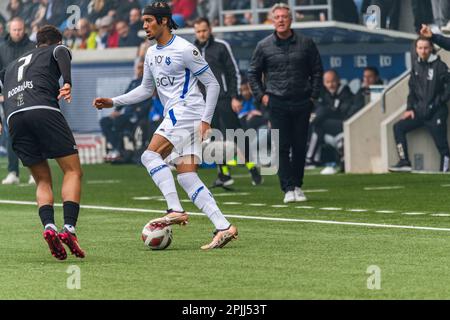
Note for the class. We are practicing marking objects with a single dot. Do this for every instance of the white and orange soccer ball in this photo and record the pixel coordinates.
(157, 236)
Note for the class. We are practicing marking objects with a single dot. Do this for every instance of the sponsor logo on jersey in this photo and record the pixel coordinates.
(21, 88)
(165, 81)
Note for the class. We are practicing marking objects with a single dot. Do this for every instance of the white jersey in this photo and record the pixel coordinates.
(174, 70)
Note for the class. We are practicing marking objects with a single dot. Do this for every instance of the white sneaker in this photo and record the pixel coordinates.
(11, 178)
(31, 180)
(289, 197)
(299, 195)
(328, 171)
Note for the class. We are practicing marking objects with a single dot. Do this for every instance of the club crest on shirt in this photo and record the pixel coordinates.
(168, 61)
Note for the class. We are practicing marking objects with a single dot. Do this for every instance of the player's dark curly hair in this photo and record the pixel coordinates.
(48, 35)
(160, 10)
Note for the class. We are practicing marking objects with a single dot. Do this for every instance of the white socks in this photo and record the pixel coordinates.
(163, 178)
(203, 199)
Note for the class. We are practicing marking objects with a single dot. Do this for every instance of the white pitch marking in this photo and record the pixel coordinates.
(446, 185)
(231, 194)
(331, 209)
(357, 210)
(385, 211)
(147, 198)
(441, 215)
(280, 206)
(232, 203)
(315, 191)
(257, 204)
(305, 207)
(103, 181)
(383, 188)
(414, 213)
(359, 224)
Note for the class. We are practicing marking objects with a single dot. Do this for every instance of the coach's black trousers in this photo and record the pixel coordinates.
(292, 123)
(437, 126)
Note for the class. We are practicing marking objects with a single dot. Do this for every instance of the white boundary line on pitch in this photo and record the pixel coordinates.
(359, 224)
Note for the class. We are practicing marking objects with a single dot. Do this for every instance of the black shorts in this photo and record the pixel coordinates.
(41, 134)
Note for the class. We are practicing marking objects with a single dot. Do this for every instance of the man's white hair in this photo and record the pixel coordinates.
(281, 5)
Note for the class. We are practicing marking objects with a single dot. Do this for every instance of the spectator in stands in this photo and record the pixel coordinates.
(123, 117)
(125, 6)
(30, 9)
(2, 32)
(441, 12)
(345, 11)
(334, 106)
(98, 9)
(86, 39)
(104, 27)
(390, 12)
(230, 19)
(236, 4)
(429, 93)
(15, 8)
(210, 10)
(135, 22)
(55, 12)
(16, 44)
(69, 37)
(440, 40)
(183, 11)
(127, 38)
(371, 77)
(287, 88)
(422, 12)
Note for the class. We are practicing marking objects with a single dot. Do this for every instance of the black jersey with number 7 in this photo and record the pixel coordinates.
(32, 81)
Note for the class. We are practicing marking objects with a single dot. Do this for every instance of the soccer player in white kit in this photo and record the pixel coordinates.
(173, 67)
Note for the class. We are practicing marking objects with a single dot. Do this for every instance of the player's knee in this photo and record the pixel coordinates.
(148, 157)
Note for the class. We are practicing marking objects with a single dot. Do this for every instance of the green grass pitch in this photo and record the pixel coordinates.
(304, 257)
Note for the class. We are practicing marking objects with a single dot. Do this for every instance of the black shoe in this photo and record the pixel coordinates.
(401, 166)
(257, 179)
(223, 181)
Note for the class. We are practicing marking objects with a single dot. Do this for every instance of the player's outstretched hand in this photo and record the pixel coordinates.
(425, 31)
(66, 93)
(102, 103)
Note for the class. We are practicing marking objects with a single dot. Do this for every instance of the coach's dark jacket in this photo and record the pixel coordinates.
(220, 58)
(429, 87)
(10, 50)
(292, 69)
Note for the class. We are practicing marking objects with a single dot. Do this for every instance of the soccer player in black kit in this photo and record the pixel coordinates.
(39, 132)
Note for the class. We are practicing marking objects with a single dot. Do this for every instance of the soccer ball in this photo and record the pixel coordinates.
(157, 236)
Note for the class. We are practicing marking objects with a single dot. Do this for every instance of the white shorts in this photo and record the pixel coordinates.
(181, 127)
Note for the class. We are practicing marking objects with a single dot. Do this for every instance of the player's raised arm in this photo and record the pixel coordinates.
(141, 93)
(200, 68)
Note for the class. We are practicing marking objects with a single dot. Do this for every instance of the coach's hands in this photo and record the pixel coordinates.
(205, 129)
(66, 93)
(103, 103)
(408, 114)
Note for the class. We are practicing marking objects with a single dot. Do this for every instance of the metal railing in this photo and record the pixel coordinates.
(256, 11)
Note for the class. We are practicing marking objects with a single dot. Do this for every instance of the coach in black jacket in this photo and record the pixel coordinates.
(429, 93)
(286, 75)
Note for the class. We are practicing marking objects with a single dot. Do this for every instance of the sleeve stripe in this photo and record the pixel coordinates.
(238, 73)
(201, 70)
(61, 45)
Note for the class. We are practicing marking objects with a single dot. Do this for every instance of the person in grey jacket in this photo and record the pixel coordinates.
(16, 44)
(285, 75)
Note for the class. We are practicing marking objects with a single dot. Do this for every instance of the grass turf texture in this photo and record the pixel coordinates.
(272, 260)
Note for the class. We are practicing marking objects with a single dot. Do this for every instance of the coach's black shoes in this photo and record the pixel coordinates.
(71, 241)
(401, 166)
(54, 244)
